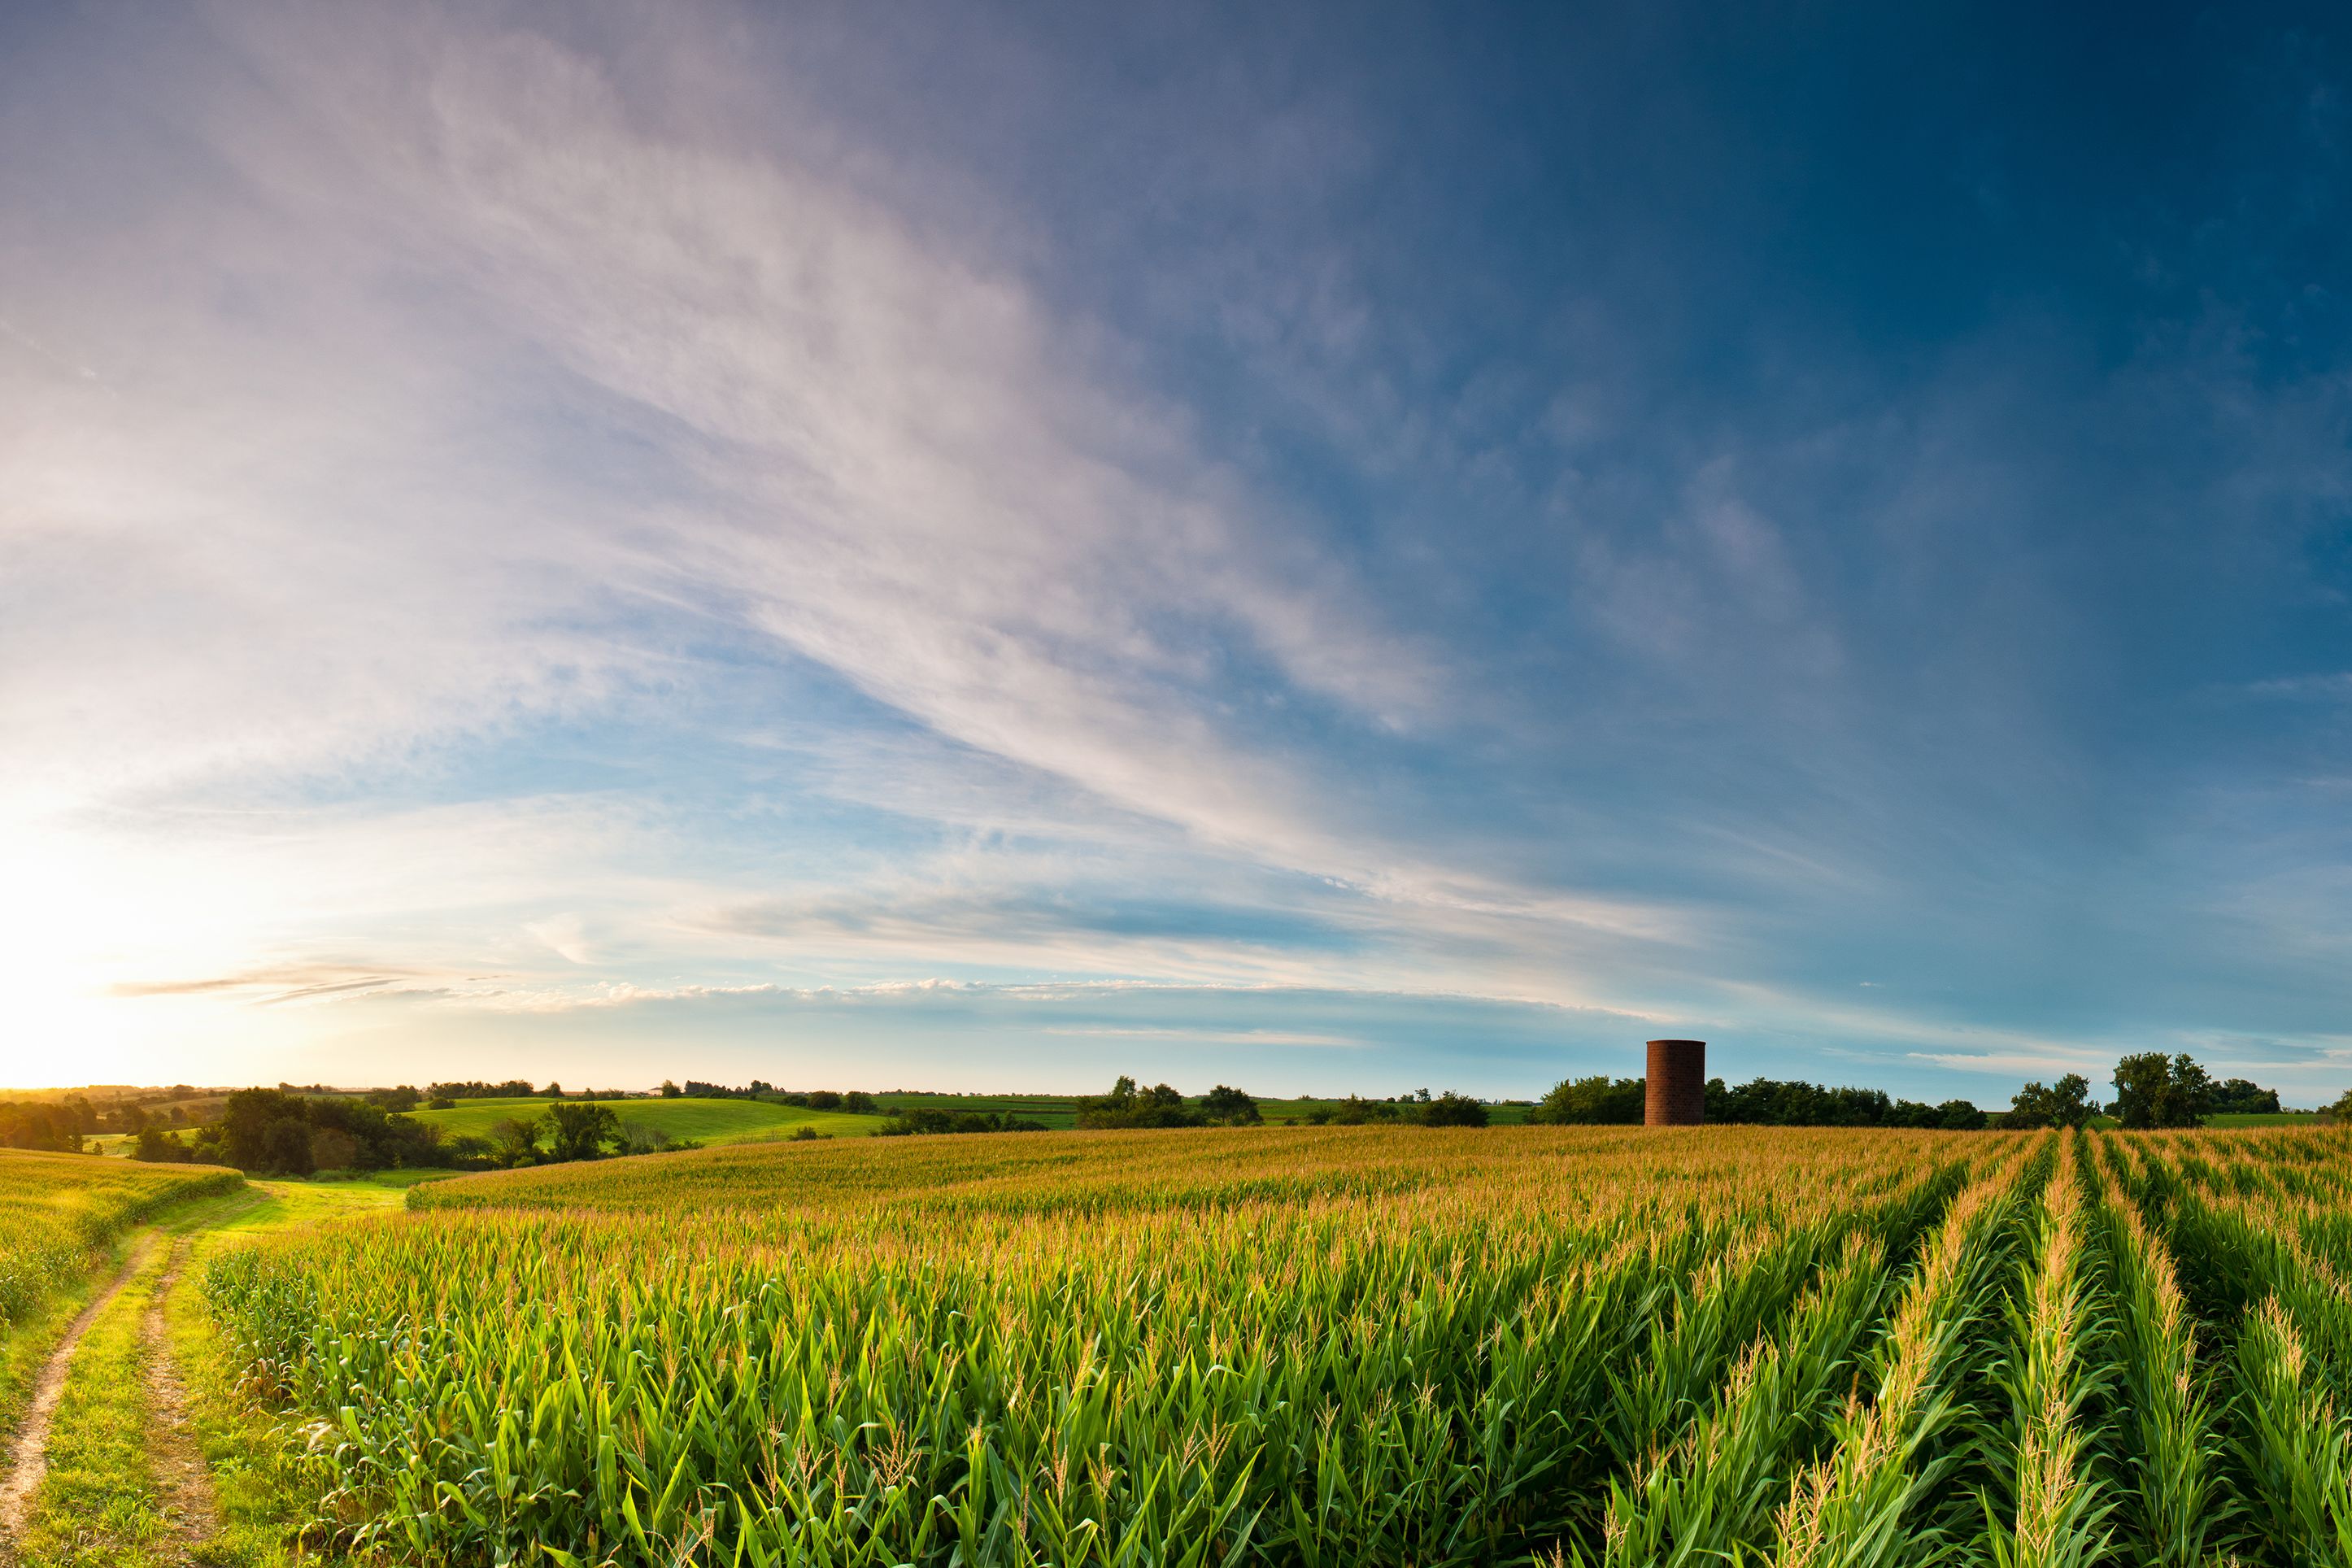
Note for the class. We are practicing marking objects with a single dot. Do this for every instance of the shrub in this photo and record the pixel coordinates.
(1452, 1110)
(1586, 1101)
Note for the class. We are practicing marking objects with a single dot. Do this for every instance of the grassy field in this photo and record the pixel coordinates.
(155, 1457)
(697, 1121)
(57, 1210)
(1060, 1111)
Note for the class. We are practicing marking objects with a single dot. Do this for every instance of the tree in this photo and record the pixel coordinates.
(1452, 1110)
(286, 1147)
(1126, 1106)
(246, 1118)
(2156, 1091)
(332, 1149)
(159, 1147)
(554, 1090)
(514, 1140)
(2190, 1100)
(582, 1128)
(1230, 1107)
(1596, 1100)
(668, 1089)
(2065, 1104)
(2243, 1097)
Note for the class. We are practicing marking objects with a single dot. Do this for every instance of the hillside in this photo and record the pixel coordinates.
(699, 1120)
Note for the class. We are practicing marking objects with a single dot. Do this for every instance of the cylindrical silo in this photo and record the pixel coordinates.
(1675, 1094)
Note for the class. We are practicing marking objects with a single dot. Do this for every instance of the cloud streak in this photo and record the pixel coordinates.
(600, 509)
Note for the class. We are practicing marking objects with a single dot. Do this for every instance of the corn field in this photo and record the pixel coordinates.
(1337, 1347)
(57, 1209)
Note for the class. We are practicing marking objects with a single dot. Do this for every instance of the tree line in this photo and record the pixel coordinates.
(1762, 1102)
(2152, 1090)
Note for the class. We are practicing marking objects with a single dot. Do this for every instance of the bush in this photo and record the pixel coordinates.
(2242, 1097)
(1127, 1106)
(158, 1147)
(1230, 1108)
(2155, 1090)
(1598, 1101)
(2065, 1104)
(1452, 1110)
(580, 1130)
(926, 1120)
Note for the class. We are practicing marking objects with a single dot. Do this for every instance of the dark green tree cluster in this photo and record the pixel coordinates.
(923, 1120)
(2243, 1097)
(1596, 1101)
(2066, 1103)
(698, 1090)
(1602, 1100)
(1125, 1106)
(1773, 1102)
(580, 1130)
(1417, 1110)
(294, 1134)
(2153, 1090)
(855, 1102)
(1162, 1105)
(1452, 1110)
(513, 1088)
(59, 1125)
(1225, 1106)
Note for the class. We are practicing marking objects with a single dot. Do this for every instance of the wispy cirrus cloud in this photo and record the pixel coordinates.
(601, 514)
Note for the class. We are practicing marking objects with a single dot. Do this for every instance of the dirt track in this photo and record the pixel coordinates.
(180, 1471)
(28, 1454)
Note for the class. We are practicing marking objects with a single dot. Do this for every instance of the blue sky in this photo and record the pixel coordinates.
(1321, 548)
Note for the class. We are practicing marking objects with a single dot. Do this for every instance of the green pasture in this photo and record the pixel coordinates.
(1060, 1111)
(695, 1121)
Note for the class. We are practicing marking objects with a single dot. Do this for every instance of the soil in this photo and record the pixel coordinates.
(181, 1474)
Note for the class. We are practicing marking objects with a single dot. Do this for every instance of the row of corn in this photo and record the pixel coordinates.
(1337, 1347)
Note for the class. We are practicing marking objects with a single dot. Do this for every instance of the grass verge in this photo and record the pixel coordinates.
(97, 1508)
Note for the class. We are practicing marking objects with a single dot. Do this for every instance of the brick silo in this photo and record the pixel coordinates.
(1675, 1094)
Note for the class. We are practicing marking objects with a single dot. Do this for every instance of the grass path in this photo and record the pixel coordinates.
(29, 1453)
(138, 1449)
(184, 1481)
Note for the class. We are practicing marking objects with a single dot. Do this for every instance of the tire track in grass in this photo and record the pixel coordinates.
(29, 1457)
(181, 1474)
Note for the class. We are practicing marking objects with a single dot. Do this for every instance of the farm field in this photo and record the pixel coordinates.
(1061, 1110)
(697, 1121)
(55, 1210)
(1288, 1345)
(1341, 1345)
